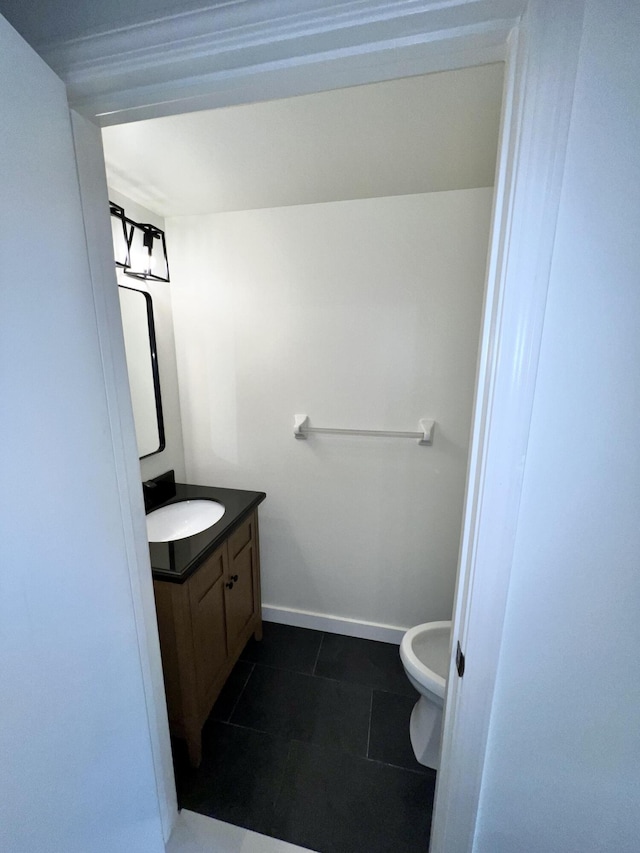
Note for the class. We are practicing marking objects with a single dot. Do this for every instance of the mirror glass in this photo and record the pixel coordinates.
(142, 364)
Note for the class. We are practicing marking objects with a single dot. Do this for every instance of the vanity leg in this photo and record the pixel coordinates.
(258, 631)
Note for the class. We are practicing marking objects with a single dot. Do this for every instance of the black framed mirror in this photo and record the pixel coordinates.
(136, 308)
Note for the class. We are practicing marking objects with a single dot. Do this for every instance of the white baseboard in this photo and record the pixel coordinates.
(333, 624)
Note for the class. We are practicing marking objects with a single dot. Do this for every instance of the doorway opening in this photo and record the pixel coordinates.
(423, 203)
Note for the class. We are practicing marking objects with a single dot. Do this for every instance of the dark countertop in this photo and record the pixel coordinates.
(176, 561)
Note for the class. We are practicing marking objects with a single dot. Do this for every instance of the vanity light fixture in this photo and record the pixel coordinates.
(119, 235)
(147, 253)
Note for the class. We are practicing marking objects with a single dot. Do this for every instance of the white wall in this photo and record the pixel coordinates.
(173, 454)
(562, 771)
(76, 765)
(361, 314)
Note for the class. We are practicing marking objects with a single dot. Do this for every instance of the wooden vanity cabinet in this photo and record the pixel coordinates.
(242, 590)
(204, 624)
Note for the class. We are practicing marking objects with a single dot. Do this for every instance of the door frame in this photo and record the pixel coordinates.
(537, 108)
(541, 53)
(94, 199)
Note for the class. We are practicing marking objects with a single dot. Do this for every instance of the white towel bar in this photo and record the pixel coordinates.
(301, 429)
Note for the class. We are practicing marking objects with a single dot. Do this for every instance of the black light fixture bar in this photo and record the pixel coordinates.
(119, 235)
(147, 252)
(139, 249)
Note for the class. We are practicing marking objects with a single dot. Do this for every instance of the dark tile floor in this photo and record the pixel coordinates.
(309, 742)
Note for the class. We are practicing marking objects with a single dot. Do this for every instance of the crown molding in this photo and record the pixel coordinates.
(181, 55)
(306, 75)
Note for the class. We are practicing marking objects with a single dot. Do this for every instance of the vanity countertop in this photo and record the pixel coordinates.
(176, 561)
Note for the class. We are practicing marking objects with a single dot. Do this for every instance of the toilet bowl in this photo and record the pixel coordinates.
(425, 653)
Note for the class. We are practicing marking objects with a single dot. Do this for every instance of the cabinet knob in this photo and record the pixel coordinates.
(234, 578)
(229, 585)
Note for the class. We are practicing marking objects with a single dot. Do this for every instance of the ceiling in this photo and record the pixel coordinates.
(416, 134)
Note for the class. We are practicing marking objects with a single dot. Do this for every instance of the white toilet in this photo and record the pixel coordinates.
(425, 653)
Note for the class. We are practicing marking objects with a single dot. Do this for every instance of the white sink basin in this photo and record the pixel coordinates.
(182, 519)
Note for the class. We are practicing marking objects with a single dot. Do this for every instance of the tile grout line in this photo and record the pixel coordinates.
(356, 685)
(276, 799)
(257, 731)
(239, 696)
(414, 770)
(315, 666)
(376, 761)
(369, 729)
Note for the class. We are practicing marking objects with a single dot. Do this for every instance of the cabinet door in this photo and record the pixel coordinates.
(239, 587)
(206, 594)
